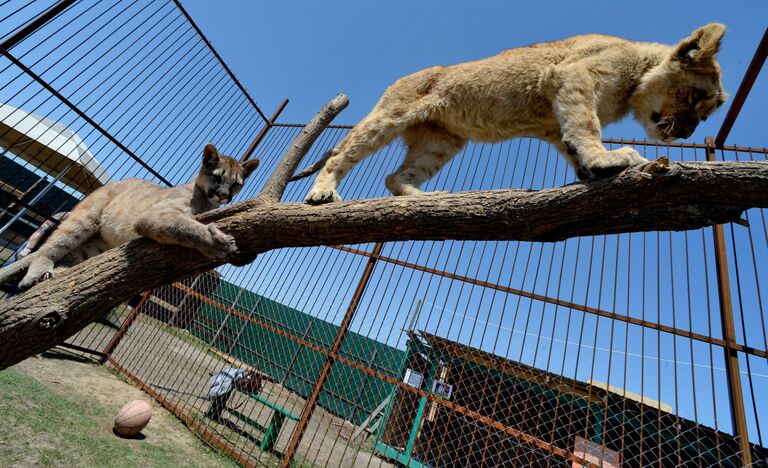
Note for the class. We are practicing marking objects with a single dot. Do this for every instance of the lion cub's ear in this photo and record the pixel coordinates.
(249, 166)
(210, 156)
(701, 45)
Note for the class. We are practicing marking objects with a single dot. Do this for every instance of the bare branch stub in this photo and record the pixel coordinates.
(15, 269)
(275, 186)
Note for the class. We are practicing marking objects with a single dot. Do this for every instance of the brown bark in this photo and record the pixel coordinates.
(656, 196)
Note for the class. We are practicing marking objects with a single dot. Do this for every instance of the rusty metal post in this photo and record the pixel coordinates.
(738, 415)
(325, 371)
(269, 124)
(741, 95)
(123, 328)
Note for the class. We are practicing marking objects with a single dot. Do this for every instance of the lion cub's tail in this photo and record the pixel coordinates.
(10, 272)
(312, 168)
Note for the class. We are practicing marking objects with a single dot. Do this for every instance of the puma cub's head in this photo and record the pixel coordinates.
(221, 177)
(684, 89)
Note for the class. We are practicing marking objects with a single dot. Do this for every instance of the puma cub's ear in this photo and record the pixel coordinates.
(249, 166)
(210, 156)
(701, 45)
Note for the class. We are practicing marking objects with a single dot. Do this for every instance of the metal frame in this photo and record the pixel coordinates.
(33, 25)
(334, 356)
(309, 407)
(744, 88)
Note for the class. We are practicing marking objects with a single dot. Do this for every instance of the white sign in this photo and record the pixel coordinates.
(413, 378)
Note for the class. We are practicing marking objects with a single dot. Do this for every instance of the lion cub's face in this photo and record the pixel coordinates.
(684, 89)
(222, 177)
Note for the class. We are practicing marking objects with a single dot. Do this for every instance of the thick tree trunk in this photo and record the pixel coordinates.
(656, 196)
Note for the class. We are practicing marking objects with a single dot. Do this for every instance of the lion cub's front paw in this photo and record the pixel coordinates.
(34, 277)
(223, 246)
(610, 163)
(319, 196)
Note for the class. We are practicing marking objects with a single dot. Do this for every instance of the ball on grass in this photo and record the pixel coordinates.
(133, 417)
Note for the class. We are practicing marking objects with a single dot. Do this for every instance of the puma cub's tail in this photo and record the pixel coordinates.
(15, 269)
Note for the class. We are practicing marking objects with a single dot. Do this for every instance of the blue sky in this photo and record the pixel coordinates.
(308, 51)
(665, 278)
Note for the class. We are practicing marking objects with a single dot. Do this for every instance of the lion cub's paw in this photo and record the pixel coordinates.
(37, 273)
(318, 197)
(223, 246)
(610, 163)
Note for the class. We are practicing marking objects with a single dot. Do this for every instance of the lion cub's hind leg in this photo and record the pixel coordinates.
(430, 147)
(76, 229)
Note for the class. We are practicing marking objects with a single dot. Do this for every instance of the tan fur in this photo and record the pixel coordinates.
(122, 211)
(563, 92)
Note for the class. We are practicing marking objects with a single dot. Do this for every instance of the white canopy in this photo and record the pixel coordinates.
(51, 147)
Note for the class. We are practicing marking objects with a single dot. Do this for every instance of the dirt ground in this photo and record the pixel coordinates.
(177, 365)
(91, 395)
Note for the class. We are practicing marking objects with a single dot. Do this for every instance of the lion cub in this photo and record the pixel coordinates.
(128, 209)
(563, 92)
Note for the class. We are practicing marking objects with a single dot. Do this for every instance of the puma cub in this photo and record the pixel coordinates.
(563, 92)
(129, 209)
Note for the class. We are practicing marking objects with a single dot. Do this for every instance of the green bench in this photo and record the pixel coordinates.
(271, 431)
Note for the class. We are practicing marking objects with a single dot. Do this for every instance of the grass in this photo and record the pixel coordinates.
(41, 427)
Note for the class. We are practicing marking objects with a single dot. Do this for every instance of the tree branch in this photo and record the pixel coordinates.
(656, 196)
(275, 186)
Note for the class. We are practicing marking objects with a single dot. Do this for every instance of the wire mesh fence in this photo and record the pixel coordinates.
(476, 352)
(605, 350)
(106, 91)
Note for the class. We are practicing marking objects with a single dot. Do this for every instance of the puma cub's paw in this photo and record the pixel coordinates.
(610, 163)
(319, 196)
(36, 274)
(223, 246)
